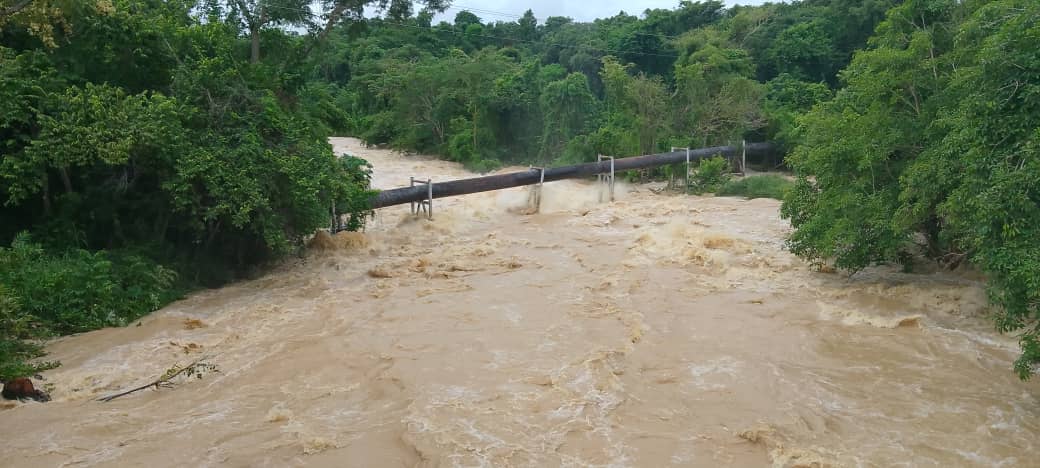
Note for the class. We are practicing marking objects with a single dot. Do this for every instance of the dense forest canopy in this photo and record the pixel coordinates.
(486, 94)
(148, 147)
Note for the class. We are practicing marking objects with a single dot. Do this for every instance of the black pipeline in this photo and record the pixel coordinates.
(452, 188)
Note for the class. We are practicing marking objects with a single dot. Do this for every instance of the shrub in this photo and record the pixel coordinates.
(710, 175)
(45, 293)
(761, 186)
(17, 345)
(78, 290)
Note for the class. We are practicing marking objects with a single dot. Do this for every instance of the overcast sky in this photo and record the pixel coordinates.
(585, 10)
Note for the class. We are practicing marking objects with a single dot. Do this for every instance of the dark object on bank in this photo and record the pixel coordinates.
(22, 389)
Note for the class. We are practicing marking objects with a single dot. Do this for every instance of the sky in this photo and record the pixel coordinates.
(585, 10)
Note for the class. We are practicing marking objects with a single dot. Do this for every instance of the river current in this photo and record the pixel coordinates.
(657, 330)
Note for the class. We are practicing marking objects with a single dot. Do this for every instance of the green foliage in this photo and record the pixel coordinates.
(812, 40)
(564, 105)
(935, 137)
(719, 99)
(787, 98)
(711, 175)
(803, 50)
(17, 346)
(136, 141)
(191, 135)
(49, 293)
(78, 290)
(637, 109)
(332, 109)
(511, 92)
(758, 186)
(351, 179)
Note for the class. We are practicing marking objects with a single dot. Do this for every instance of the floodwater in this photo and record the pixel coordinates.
(658, 330)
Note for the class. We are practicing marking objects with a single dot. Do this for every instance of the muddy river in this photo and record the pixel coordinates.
(657, 330)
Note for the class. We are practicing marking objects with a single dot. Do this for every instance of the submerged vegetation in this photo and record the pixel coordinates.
(150, 147)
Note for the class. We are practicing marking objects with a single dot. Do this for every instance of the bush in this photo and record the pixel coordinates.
(44, 294)
(17, 345)
(762, 186)
(78, 290)
(578, 150)
(710, 175)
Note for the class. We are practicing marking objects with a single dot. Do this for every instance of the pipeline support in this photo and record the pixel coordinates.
(533, 176)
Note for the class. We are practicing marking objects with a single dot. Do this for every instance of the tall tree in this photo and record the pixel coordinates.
(932, 148)
(566, 105)
(259, 14)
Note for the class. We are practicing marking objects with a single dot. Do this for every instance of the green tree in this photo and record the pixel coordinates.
(718, 98)
(566, 105)
(931, 149)
(259, 14)
(528, 26)
(636, 107)
(140, 145)
(804, 50)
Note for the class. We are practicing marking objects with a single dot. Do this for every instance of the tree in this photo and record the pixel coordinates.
(465, 19)
(566, 105)
(141, 156)
(931, 149)
(718, 96)
(40, 17)
(804, 50)
(635, 106)
(528, 26)
(259, 14)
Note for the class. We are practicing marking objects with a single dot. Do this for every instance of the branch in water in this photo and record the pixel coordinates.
(195, 367)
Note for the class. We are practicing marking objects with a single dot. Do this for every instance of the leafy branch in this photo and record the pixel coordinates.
(196, 368)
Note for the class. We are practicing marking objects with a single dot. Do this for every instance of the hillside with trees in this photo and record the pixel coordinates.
(556, 90)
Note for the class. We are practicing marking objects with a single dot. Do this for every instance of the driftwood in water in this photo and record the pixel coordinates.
(195, 368)
(516, 179)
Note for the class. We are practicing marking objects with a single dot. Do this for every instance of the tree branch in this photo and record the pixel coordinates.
(249, 16)
(166, 378)
(334, 16)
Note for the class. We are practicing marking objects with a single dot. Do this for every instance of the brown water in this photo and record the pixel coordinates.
(654, 331)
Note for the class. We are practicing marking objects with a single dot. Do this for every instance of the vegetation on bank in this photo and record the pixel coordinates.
(142, 154)
(148, 147)
(932, 147)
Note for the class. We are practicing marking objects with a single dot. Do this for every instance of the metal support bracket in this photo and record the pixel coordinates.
(336, 224)
(606, 181)
(534, 196)
(743, 157)
(686, 180)
(423, 206)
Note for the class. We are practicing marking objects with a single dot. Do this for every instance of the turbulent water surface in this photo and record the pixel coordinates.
(657, 330)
